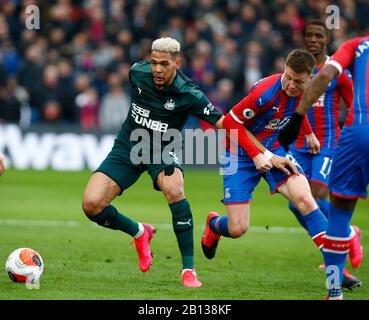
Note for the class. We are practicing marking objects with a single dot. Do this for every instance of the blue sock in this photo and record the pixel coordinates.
(297, 214)
(316, 224)
(220, 226)
(337, 236)
(323, 206)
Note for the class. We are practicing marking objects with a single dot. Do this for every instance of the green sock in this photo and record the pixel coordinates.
(183, 228)
(112, 219)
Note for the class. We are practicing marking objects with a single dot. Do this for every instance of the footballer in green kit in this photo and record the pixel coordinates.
(162, 98)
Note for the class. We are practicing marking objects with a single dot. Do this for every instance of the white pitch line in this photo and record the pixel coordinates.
(159, 226)
(39, 223)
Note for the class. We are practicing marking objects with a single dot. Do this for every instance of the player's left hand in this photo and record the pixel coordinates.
(290, 132)
(313, 143)
(284, 164)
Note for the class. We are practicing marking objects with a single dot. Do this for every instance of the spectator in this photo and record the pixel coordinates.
(237, 40)
(88, 103)
(48, 90)
(114, 105)
(51, 111)
(10, 106)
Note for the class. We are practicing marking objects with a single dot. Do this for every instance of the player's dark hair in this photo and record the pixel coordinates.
(300, 61)
(319, 23)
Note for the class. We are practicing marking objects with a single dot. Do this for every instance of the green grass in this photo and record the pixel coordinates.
(83, 261)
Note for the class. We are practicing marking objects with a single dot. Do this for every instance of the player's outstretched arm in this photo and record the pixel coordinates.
(316, 88)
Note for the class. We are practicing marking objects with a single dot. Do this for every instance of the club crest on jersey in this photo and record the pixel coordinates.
(169, 105)
(277, 124)
(248, 113)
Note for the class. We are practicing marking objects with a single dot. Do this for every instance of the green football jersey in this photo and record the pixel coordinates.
(168, 108)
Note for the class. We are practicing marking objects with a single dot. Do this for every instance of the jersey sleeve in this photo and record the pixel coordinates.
(243, 140)
(202, 108)
(345, 55)
(346, 88)
(249, 107)
(241, 115)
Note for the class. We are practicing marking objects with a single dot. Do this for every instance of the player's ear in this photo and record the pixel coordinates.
(178, 62)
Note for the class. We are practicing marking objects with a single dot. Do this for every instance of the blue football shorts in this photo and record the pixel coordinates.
(317, 167)
(239, 183)
(350, 169)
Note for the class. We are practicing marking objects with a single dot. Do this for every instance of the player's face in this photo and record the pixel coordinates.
(315, 39)
(163, 67)
(294, 83)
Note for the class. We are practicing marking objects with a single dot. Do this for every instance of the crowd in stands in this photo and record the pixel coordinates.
(73, 70)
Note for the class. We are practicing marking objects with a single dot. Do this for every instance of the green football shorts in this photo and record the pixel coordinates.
(119, 167)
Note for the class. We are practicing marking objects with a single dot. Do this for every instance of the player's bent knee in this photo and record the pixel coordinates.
(305, 202)
(174, 193)
(237, 231)
(91, 207)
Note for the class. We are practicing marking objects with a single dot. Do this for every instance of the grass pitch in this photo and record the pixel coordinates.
(276, 259)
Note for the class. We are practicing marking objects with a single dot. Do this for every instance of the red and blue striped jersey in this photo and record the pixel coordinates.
(354, 54)
(266, 110)
(324, 113)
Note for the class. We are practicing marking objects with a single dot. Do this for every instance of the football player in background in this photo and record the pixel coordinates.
(264, 112)
(349, 176)
(324, 119)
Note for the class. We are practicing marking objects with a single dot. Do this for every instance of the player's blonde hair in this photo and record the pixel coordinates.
(169, 45)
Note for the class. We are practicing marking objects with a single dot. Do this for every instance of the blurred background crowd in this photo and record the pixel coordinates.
(73, 71)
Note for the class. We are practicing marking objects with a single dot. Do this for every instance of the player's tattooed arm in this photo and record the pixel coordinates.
(316, 88)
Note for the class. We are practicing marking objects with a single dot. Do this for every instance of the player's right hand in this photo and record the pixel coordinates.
(262, 164)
